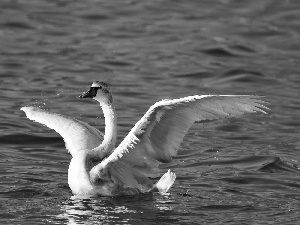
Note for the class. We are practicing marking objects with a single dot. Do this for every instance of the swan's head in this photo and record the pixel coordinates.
(99, 91)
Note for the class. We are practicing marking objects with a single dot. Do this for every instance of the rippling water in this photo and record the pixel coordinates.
(237, 171)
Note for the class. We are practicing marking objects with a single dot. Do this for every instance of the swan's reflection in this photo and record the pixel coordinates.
(131, 209)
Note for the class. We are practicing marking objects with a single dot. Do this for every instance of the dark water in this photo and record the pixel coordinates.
(238, 171)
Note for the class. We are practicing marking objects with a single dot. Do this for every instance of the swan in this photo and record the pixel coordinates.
(98, 167)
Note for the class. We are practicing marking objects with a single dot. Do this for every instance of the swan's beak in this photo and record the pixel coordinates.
(90, 93)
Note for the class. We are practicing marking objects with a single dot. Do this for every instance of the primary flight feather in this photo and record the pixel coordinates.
(99, 168)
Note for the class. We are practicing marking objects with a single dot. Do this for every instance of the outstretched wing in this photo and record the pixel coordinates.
(77, 135)
(157, 136)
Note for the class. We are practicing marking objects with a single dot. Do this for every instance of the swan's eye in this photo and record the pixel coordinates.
(100, 87)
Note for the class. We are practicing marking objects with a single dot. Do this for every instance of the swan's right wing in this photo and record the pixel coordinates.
(157, 136)
(77, 135)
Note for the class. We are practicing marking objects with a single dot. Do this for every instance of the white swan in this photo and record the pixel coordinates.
(98, 168)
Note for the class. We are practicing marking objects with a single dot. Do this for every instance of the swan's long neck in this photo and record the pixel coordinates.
(82, 163)
(110, 134)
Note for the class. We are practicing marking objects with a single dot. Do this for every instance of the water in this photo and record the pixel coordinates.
(237, 171)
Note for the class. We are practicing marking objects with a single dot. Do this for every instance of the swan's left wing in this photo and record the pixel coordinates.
(77, 135)
(157, 136)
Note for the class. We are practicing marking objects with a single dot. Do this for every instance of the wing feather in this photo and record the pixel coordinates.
(157, 136)
(77, 135)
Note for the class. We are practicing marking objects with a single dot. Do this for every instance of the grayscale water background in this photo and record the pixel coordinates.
(236, 171)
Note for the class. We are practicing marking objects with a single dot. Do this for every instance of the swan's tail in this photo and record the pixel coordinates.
(165, 182)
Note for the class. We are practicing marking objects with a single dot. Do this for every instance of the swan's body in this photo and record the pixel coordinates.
(98, 168)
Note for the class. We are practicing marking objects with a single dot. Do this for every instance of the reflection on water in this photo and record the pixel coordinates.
(238, 171)
(78, 210)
